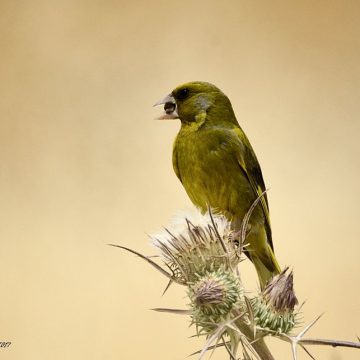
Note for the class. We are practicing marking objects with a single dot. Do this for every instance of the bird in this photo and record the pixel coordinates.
(216, 164)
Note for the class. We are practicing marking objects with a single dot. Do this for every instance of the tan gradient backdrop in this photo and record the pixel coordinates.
(83, 164)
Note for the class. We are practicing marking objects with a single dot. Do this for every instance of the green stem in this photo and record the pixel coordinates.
(234, 340)
(259, 345)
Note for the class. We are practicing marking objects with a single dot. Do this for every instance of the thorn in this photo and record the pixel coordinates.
(151, 262)
(167, 287)
(295, 340)
(307, 351)
(251, 315)
(293, 349)
(305, 330)
(246, 220)
(302, 304)
(172, 311)
(216, 230)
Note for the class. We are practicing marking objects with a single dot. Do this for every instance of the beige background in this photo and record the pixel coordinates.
(83, 164)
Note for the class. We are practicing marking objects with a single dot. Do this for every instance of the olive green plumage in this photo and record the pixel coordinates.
(217, 166)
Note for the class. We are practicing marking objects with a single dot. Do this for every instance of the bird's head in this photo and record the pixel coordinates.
(197, 101)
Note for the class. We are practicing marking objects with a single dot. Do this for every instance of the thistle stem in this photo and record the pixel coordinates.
(259, 344)
(333, 343)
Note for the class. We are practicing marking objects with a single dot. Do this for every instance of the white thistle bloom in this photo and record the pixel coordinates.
(200, 251)
(178, 225)
(194, 244)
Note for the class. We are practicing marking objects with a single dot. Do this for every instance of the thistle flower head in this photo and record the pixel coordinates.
(213, 298)
(201, 254)
(274, 307)
(197, 244)
(279, 293)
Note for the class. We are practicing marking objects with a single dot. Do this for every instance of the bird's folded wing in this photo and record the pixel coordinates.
(250, 165)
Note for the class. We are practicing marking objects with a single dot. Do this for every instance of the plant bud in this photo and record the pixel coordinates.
(274, 307)
(214, 296)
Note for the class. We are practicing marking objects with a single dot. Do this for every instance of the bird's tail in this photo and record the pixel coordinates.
(266, 267)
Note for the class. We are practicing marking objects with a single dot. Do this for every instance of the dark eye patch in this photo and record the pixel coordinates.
(183, 94)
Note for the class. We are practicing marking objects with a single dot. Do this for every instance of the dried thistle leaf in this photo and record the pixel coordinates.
(173, 311)
(152, 263)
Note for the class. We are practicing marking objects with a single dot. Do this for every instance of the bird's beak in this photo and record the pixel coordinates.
(167, 98)
(169, 108)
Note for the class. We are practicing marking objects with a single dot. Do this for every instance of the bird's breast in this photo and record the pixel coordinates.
(210, 173)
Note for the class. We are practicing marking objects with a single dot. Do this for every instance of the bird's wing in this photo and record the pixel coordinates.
(250, 165)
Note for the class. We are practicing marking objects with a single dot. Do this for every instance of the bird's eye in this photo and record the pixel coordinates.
(183, 94)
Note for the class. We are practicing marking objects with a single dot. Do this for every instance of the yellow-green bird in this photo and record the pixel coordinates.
(213, 159)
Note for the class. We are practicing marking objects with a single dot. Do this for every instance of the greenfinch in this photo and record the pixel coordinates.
(213, 159)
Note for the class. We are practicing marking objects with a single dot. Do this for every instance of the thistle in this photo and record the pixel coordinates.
(200, 252)
(203, 257)
(214, 297)
(198, 245)
(274, 307)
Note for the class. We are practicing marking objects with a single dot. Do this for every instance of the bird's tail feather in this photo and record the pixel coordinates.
(265, 268)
